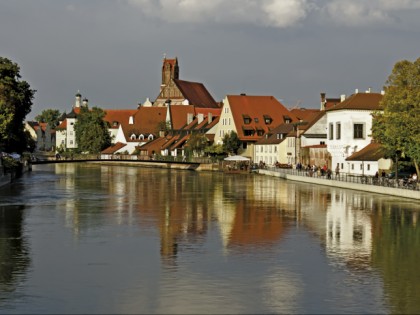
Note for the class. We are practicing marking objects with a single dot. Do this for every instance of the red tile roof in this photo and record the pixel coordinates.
(115, 117)
(114, 148)
(257, 107)
(366, 101)
(371, 152)
(196, 93)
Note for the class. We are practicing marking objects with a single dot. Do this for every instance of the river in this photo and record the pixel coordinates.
(89, 238)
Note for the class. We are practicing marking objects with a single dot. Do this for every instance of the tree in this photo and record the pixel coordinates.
(15, 104)
(397, 128)
(92, 133)
(231, 142)
(197, 143)
(50, 116)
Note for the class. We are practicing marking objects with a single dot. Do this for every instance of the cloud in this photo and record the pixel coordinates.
(275, 13)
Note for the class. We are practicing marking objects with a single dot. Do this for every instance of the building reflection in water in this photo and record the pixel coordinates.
(356, 229)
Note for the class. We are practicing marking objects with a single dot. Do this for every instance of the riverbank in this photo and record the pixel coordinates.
(397, 192)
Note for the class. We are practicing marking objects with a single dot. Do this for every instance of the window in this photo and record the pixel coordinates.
(256, 119)
(358, 131)
(342, 165)
(141, 137)
(352, 167)
(338, 131)
(150, 137)
(248, 132)
(260, 132)
(267, 119)
(361, 167)
(247, 120)
(331, 131)
(368, 167)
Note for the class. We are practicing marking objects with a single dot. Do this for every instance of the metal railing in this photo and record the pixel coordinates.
(351, 178)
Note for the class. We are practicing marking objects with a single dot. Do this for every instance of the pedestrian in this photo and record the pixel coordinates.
(337, 170)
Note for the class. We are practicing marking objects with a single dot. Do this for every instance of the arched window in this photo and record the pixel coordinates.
(133, 137)
(150, 137)
(141, 137)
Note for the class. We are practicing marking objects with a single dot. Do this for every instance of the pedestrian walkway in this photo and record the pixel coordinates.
(363, 183)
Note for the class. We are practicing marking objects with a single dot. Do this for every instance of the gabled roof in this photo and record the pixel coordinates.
(272, 137)
(371, 152)
(179, 114)
(114, 148)
(153, 146)
(364, 101)
(145, 121)
(196, 93)
(257, 107)
(306, 114)
(117, 116)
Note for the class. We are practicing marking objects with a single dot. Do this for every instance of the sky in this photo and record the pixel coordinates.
(111, 51)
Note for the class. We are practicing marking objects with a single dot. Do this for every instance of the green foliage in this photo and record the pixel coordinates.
(15, 104)
(231, 143)
(164, 126)
(50, 116)
(10, 164)
(197, 143)
(92, 133)
(398, 127)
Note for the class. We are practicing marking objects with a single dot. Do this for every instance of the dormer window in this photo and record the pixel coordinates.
(150, 137)
(267, 119)
(133, 137)
(247, 119)
(287, 119)
(141, 137)
(115, 124)
(256, 119)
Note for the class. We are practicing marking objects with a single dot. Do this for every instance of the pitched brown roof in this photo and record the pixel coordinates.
(115, 117)
(196, 93)
(113, 148)
(366, 101)
(145, 121)
(257, 107)
(272, 137)
(179, 114)
(371, 152)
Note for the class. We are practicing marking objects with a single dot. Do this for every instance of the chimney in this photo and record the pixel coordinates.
(323, 101)
(200, 118)
(382, 92)
(356, 91)
(190, 117)
(210, 117)
(131, 120)
(161, 133)
(342, 97)
(369, 90)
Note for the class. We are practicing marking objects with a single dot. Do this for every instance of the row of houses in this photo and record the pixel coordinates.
(337, 134)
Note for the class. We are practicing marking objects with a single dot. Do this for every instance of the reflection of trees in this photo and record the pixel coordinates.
(396, 253)
(14, 258)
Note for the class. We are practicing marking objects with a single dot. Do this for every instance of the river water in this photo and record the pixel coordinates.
(115, 239)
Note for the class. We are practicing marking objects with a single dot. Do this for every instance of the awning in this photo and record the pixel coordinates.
(237, 158)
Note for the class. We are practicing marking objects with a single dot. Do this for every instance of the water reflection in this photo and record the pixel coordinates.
(257, 244)
(14, 255)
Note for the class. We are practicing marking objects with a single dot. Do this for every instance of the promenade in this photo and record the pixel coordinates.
(346, 181)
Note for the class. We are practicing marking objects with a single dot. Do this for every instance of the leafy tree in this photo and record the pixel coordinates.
(15, 103)
(50, 116)
(92, 133)
(164, 126)
(397, 128)
(197, 143)
(231, 142)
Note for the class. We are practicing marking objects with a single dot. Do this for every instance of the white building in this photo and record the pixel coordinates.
(349, 126)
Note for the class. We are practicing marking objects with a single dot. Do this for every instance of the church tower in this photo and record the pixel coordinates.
(170, 72)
